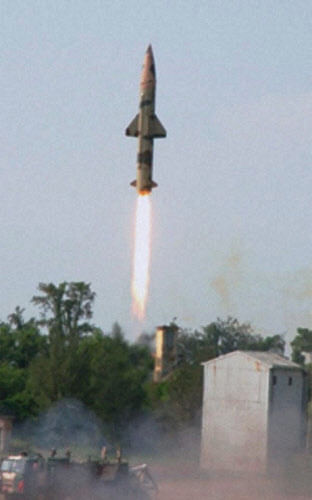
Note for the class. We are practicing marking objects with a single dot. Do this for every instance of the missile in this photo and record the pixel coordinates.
(146, 126)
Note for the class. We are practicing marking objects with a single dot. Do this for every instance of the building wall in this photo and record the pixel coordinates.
(159, 344)
(235, 409)
(165, 355)
(286, 430)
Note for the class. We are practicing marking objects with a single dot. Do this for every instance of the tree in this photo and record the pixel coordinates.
(193, 347)
(64, 307)
(20, 344)
(301, 343)
(7, 344)
(28, 340)
(64, 311)
(72, 358)
(15, 400)
(112, 375)
(229, 335)
(20, 341)
(117, 332)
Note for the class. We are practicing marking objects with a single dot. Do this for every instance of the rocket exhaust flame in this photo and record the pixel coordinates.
(141, 258)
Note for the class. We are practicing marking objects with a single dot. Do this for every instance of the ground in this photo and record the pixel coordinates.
(184, 482)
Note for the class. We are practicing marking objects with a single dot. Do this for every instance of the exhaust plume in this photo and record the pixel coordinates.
(142, 254)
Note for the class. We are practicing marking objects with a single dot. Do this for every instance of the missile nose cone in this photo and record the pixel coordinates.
(148, 77)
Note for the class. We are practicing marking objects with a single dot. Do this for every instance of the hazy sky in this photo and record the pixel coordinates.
(232, 213)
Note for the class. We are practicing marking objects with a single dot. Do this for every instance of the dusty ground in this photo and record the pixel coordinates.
(184, 481)
(187, 483)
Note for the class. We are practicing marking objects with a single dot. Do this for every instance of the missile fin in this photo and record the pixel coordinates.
(133, 128)
(156, 128)
(133, 183)
(154, 184)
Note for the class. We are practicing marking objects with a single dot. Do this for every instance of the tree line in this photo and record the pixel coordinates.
(61, 354)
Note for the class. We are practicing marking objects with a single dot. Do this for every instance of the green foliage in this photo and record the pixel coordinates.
(20, 345)
(11, 380)
(185, 396)
(62, 355)
(229, 335)
(102, 371)
(116, 376)
(157, 393)
(194, 347)
(14, 398)
(64, 311)
(20, 342)
(301, 343)
(7, 344)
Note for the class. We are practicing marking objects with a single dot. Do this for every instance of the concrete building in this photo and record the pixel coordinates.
(307, 357)
(253, 411)
(166, 351)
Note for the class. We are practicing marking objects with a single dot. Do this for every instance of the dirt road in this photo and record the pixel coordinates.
(185, 483)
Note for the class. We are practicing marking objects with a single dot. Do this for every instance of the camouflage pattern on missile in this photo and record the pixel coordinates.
(146, 126)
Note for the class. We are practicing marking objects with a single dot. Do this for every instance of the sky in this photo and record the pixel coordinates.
(232, 213)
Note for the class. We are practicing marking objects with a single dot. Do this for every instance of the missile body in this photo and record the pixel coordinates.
(146, 126)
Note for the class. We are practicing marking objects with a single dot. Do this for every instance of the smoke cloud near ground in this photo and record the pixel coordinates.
(174, 459)
(149, 436)
(70, 426)
(67, 423)
(172, 456)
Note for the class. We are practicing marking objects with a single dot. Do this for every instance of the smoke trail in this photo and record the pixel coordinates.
(141, 258)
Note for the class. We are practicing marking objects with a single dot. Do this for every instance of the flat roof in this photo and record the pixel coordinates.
(270, 359)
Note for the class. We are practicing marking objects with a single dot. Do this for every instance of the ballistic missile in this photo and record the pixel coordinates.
(146, 126)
